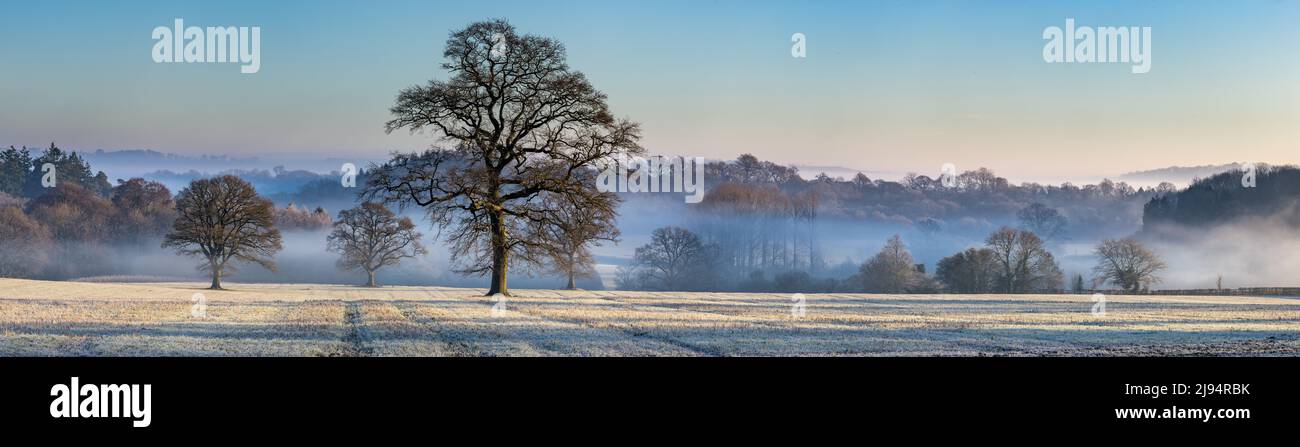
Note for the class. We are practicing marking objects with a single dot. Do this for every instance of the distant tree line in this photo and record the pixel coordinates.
(1012, 261)
(917, 199)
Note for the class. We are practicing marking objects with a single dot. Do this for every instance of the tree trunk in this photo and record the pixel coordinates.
(500, 255)
(216, 277)
(572, 284)
(371, 282)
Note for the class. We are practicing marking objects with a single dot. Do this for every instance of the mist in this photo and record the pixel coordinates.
(1257, 252)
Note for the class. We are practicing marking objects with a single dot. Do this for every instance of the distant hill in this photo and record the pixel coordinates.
(124, 164)
(1180, 176)
(1222, 198)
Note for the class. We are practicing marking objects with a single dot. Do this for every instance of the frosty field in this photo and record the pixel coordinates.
(40, 318)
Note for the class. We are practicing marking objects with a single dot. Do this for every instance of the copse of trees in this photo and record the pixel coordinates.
(15, 167)
(21, 174)
(972, 271)
(370, 237)
(73, 213)
(521, 124)
(759, 228)
(1012, 261)
(1127, 264)
(223, 219)
(78, 228)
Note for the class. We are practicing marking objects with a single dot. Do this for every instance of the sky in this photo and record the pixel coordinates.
(886, 86)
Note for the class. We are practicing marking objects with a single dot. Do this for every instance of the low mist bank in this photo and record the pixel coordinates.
(1251, 253)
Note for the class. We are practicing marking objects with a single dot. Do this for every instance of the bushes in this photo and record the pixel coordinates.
(24, 244)
(293, 218)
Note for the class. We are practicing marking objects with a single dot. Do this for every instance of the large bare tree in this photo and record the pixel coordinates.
(223, 219)
(519, 124)
(370, 236)
(1126, 263)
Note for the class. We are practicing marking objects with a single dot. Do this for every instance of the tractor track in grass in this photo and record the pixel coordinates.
(457, 346)
(357, 338)
(628, 331)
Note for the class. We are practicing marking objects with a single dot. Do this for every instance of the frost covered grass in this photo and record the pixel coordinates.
(41, 318)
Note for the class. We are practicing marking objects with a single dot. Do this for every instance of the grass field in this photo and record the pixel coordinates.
(39, 318)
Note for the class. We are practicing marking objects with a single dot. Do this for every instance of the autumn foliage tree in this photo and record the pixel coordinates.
(143, 211)
(370, 236)
(520, 124)
(24, 244)
(223, 219)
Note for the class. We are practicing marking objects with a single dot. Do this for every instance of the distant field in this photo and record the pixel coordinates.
(39, 318)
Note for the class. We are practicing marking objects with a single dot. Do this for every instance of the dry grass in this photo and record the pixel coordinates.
(39, 318)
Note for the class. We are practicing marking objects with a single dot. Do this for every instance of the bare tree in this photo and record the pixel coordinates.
(370, 236)
(1044, 221)
(222, 219)
(892, 270)
(1024, 264)
(1127, 264)
(674, 259)
(521, 124)
(570, 238)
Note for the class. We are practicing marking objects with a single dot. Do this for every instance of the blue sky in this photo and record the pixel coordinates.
(886, 86)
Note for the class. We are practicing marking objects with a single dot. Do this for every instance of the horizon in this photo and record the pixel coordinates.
(714, 80)
(806, 171)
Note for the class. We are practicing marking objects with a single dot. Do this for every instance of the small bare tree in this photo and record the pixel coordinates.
(222, 219)
(1044, 221)
(521, 124)
(674, 259)
(370, 236)
(1127, 264)
(572, 235)
(892, 270)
